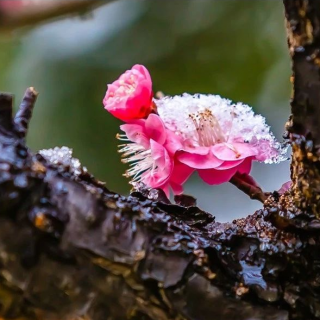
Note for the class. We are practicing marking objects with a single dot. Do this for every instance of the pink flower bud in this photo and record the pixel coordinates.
(130, 97)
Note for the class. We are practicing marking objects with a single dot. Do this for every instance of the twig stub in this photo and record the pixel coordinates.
(24, 114)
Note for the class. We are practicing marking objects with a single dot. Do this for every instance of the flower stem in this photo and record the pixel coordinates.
(246, 184)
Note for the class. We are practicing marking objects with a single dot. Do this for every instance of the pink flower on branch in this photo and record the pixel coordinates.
(218, 138)
(204, 133)
(130, 97)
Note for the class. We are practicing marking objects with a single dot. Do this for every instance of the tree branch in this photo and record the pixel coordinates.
(246, 184)
(34, 14)
(140, 257)
(303, 25)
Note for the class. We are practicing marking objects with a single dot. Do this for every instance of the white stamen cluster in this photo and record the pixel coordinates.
(62, 156)
(208, 130)
(139, 159)
(204, 120)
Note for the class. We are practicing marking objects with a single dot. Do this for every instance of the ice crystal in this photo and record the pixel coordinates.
(62, 156)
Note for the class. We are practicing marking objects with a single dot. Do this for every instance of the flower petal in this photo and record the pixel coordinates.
(155, 128)
(213, 176)
(285, 187)
(166, 189)
(245, 167)
(136, 133)
(143, 70)
(229, 164)
(198, 161)
(136, 107)
(173, 142)
(196, 150)
(176, 188)
(233, 151)
(163, 166)
(180, 173)
(220, 175)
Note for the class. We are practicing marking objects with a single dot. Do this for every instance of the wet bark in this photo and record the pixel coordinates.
(303, 25)
(72, 249)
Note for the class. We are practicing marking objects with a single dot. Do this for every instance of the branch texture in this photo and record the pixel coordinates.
(71, 248)
(303, 25)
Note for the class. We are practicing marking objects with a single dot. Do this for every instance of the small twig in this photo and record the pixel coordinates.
(24, 114)
(6, 101)
(13, 19)
(246, 184)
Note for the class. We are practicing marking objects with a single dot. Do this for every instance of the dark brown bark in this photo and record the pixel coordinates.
(70, 248)
(303, 25)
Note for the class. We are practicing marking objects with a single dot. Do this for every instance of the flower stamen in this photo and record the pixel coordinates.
(233, 148)
(139, 158)
(207, 127)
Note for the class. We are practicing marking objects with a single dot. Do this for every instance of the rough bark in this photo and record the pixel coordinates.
(303, 25)
(71, 249)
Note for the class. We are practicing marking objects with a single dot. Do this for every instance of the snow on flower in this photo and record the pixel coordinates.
(149, 150)
(218, 138)
(130, 97)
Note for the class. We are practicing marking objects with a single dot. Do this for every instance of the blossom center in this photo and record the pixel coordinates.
(208, 129)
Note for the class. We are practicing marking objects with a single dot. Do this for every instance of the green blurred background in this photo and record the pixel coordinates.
(236, 49)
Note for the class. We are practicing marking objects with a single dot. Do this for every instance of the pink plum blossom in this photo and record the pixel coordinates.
(218, 138)
(149, 150)
(203, 133)
(130, 97)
